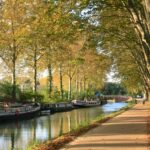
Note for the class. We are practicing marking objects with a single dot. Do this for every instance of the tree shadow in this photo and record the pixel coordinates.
(109, 145)
(122, 125)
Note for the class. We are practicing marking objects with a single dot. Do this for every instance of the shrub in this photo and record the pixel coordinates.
(29, 96)
(6, 89)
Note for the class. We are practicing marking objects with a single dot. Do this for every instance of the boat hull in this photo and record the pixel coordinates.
(57, 107)
(84, 104)
(19, 116)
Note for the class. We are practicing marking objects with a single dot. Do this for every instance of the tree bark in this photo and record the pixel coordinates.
(140, 18)
(77, 83)
(14, 57)
(80, 86)
(84, 84)
(50, 80)
(14, 75)
(61, 82)
(70, 88)
(35, 71)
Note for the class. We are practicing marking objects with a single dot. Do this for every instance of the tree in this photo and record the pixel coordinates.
(56, 27)
(113, 89)
(129, 27)
(13, 31)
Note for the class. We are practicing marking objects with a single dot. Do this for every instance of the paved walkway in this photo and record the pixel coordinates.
(128, 131)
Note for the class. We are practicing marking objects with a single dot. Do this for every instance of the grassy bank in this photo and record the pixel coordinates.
(66, 138)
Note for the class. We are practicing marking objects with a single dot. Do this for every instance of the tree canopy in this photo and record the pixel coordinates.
(79, 39)
(124, 27)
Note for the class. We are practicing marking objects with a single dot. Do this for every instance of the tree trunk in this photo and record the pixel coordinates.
(148, 95)
(139, 14)
(84, 85)
(77, 83)
(70, 88)
(14, 75)
(80, 86)
(35, 72)
(50, 80)
(140, 18)
(61, 82)
(14, 57)
(147, 92)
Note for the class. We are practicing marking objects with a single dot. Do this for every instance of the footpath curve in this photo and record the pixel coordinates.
(127, 131)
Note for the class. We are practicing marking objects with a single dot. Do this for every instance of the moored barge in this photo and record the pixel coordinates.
(19, 113)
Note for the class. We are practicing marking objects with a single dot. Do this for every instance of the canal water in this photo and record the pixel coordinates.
(21, 135)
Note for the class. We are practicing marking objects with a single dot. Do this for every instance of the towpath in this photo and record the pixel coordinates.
(127, 131)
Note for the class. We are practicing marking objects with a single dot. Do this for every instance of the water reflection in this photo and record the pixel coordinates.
(18, 136)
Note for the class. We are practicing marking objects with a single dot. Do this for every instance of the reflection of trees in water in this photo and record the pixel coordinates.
(49, 128)
(34, 129)
(14, 133)
(12, 140)
(11, 130)
(60, 123)
(74, 120)
(81, 117)
(61, 126)
(69, 122)
(66, 122)
(54, 125)
(6, 129)
(26, 132)
(86, 117)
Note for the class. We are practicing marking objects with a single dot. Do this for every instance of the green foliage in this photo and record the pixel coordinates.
(6, 90)
(113, 89)
(55, 96)
(135, 94)
(121, 38)
(38, 97)
(89, 93)
(29, 96)
(80, 95)
(79, 37)
(26, 96)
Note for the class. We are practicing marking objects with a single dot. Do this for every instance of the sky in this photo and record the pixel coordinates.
(111, 77)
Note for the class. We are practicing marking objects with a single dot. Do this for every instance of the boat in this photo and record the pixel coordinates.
(57, 107)
(62, 107)
(18, 113)
(45, 112)
(85, 103)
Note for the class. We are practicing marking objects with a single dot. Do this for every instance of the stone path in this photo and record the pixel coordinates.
(128, 131)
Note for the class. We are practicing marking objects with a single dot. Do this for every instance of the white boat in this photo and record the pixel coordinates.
(85, 103)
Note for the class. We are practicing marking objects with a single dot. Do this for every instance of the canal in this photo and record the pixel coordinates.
(21, 135)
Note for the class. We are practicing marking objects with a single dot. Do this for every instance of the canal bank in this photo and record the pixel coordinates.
(59, 142)
(127, 131)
